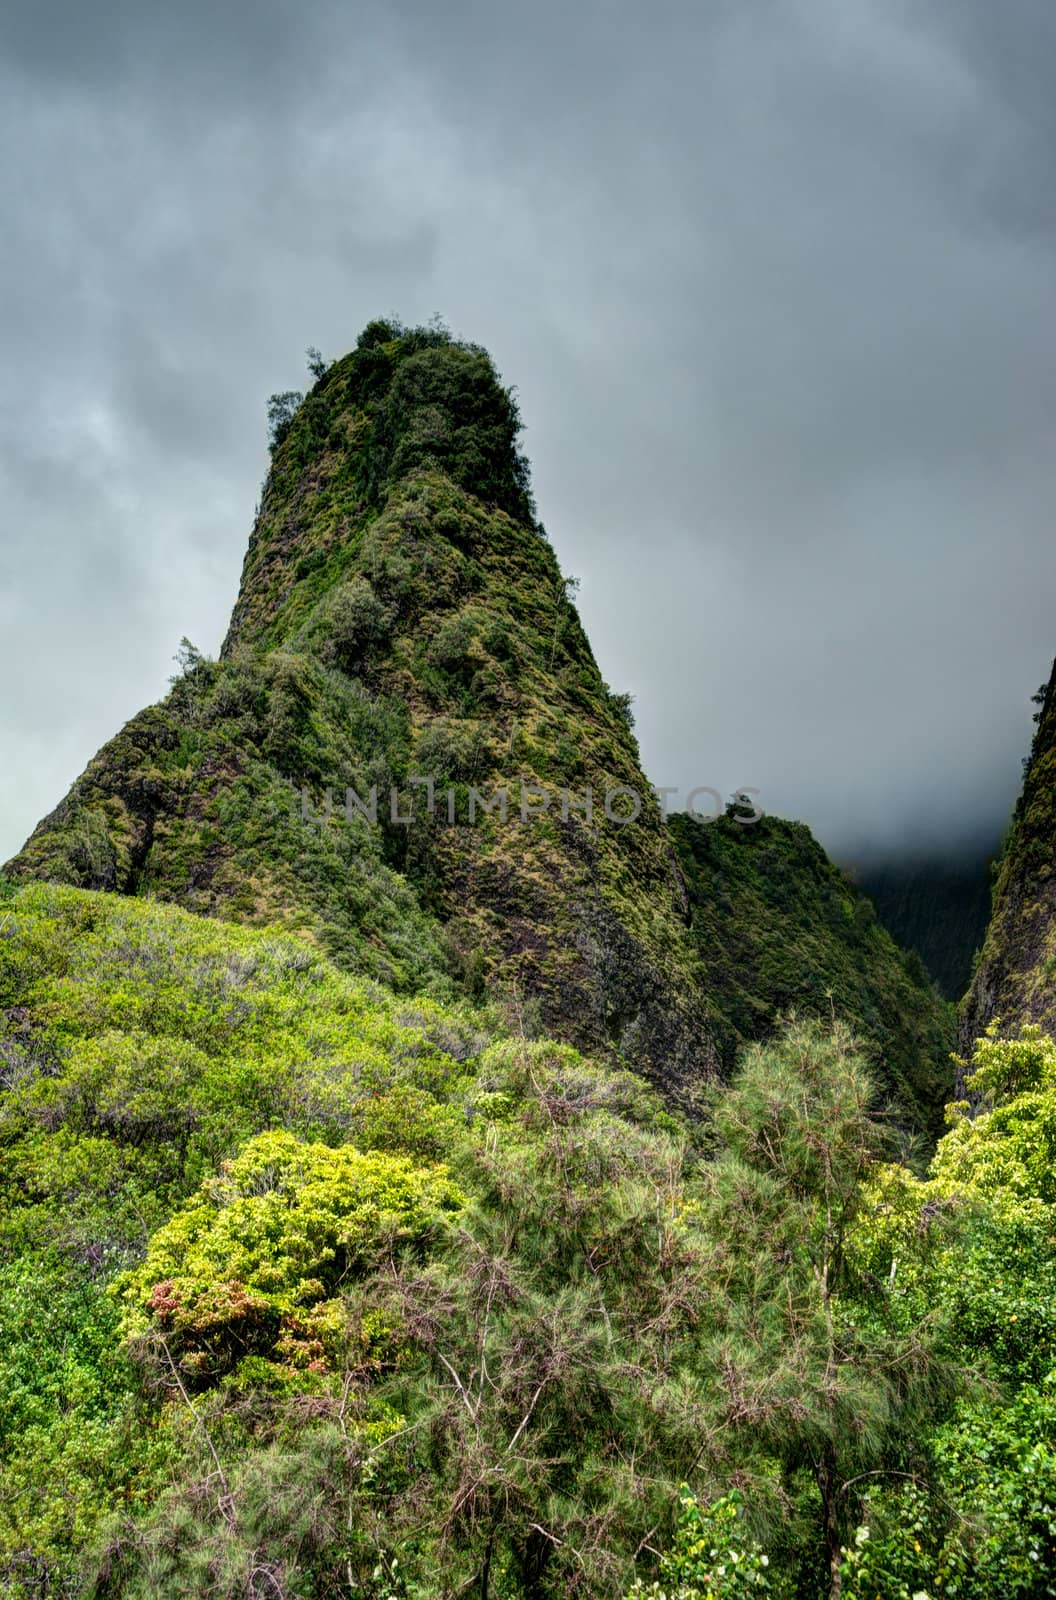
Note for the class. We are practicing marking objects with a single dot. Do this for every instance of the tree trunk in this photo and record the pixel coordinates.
(534, 1558)
(828, 1487)
(485, 1571)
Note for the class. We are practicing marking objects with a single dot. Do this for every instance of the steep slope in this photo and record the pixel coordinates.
(780, 928)
(1015, 980)
(403, 618)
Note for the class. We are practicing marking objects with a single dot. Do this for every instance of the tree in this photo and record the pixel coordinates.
(807, 1352)
(550, 1350)
(317, 367)
(188, 658)
(282, 408)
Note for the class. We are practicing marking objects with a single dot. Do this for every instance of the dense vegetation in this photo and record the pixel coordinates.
(778, 928)
(307, 1290)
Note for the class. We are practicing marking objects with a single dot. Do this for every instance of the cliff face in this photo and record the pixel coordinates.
(1015, 980)
(403, 630)
(779, 928)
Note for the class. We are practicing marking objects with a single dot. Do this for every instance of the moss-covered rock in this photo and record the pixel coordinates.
(1015, 980)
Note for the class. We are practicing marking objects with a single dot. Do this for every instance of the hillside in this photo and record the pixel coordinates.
(779, 928)
(1015, 981)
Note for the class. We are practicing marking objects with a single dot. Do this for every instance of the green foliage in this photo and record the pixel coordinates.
(989, 1531)
(713, 1555)
(140, 1048)
(146, 1046)
(814, 1365)
(416, 1308)
(977, 1515)
(1002, 1143)
(445, 408)
(72, 1440)
(553, 1329)
(346, 626)
(301, 1301)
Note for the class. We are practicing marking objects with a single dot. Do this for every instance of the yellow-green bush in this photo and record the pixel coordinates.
(257, 1256)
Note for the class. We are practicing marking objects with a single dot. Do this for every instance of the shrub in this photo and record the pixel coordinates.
(261, 1249)
(347, 624)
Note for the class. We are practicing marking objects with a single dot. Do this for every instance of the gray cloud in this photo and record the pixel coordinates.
(775, 282)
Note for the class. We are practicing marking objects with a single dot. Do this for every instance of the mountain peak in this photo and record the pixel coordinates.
(405, 749)
(402, 403)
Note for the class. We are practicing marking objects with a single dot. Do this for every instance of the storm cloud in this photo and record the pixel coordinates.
(776, 283)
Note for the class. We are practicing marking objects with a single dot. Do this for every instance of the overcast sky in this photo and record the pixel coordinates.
(776, 283)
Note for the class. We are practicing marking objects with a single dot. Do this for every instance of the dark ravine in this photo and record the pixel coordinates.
(402, 614)
(936, 905)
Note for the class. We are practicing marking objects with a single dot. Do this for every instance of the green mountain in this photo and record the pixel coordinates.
(402, 617)
(1015, 980)
(403, 639)
(780, 929)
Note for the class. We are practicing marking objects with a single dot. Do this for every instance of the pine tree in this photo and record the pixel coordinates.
(808, 1356)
